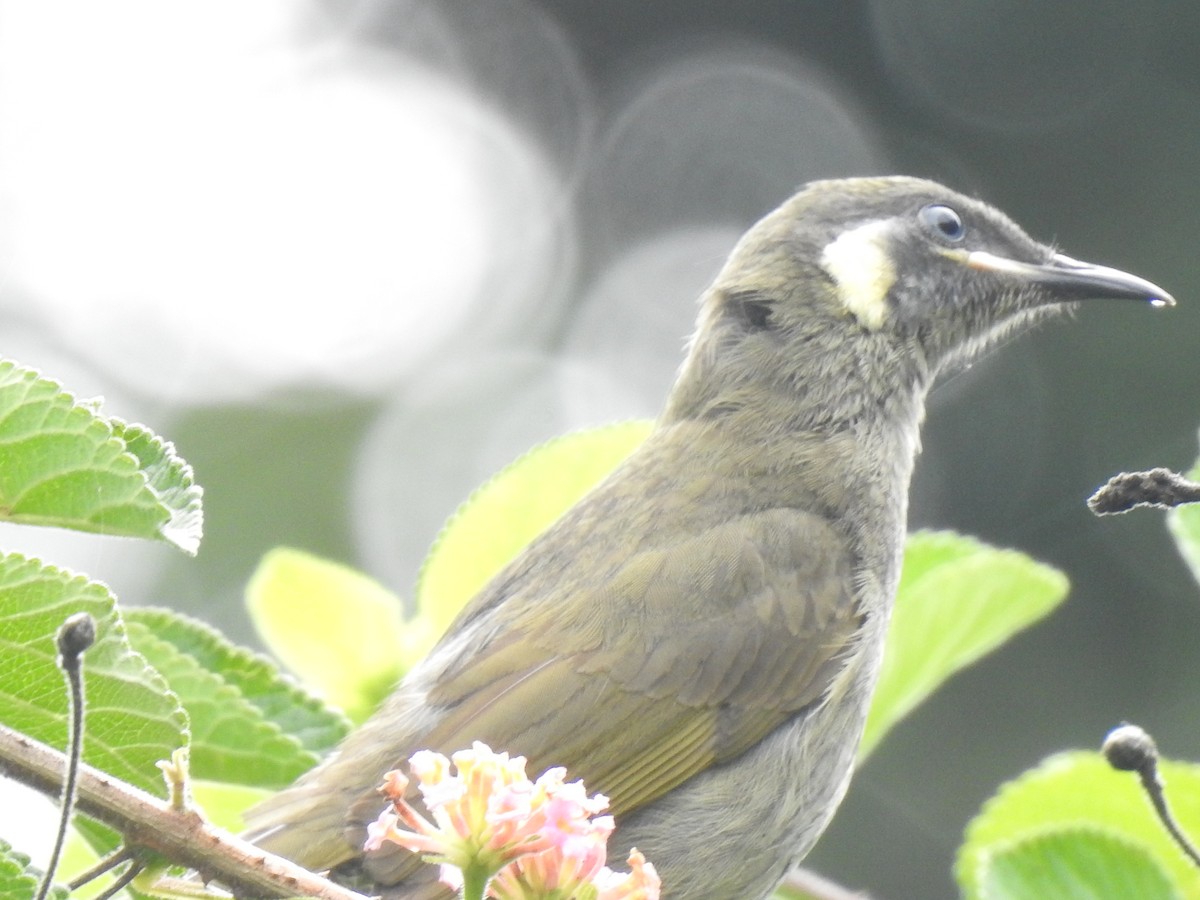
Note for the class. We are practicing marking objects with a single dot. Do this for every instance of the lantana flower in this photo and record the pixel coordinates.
(492, 828)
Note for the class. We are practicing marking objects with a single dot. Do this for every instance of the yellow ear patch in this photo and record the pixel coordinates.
(859, 262)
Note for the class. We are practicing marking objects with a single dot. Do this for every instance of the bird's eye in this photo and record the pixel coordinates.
(943, 222)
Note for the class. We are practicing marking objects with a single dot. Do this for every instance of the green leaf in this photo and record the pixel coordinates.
(1073, 864)
(64, 464)
(1080, 790)
(240, 708)
(18, 879)
(339, 630)
(513, 508)
(958, 599)
(1184, 525)
(275, 696)
(132, 718)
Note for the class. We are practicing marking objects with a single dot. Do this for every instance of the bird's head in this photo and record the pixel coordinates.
(856, 290)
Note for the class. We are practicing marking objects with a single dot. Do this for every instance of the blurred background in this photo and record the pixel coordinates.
(353, 257)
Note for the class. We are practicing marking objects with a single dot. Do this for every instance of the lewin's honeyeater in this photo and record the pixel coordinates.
(698, 638)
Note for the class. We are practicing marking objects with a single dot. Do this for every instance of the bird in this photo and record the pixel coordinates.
(698, 638)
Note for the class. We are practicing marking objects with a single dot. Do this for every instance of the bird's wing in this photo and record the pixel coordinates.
(683, 658)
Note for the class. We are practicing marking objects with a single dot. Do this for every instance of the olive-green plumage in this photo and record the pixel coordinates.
(699, 637)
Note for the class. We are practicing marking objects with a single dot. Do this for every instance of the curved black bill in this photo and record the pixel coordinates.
(1071, 279)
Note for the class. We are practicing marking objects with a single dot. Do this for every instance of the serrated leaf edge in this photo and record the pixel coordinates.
(172, 481)
(180, 528)
(1080, 826)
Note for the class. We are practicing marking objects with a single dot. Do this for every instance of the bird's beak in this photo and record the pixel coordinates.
(1070, 279)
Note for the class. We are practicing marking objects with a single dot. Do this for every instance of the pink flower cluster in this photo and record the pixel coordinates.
(530, 840)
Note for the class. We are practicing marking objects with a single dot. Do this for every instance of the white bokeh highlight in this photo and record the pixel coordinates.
(210, 202)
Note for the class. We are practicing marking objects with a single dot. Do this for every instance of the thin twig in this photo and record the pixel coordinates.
(110, 862)
(1159, 488)
(77, 633)
(1131, 749)
(1154, 789)
(805, 884)
(122, 881)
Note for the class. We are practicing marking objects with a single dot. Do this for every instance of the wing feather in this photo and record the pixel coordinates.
(686, 656)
